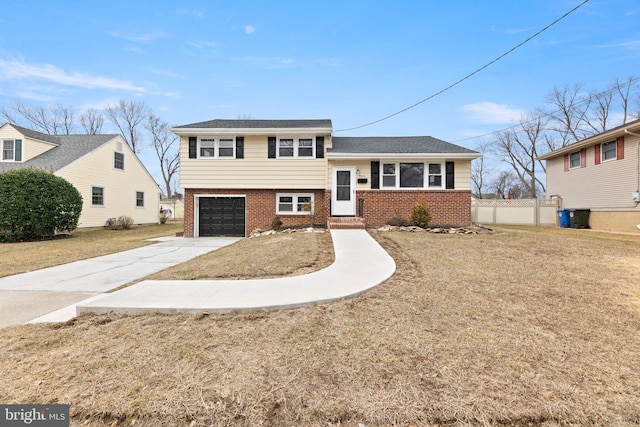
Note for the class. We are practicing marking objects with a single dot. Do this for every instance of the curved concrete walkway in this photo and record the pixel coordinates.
(360, 264)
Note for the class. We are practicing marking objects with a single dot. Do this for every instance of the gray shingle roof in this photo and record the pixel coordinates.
(395, 144)
(69, 149)
(258, 124)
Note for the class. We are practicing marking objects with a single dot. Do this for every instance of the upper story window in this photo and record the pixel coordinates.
(296, 147)
(574, 160)
(140, 199)
(609, 151)
(118, 160)
(217, 147)
(8, 150)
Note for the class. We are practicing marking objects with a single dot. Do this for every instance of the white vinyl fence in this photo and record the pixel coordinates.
(515, 212)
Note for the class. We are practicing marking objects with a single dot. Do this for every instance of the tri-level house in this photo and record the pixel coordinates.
(600, 173)
(106, 172)
(239, 174)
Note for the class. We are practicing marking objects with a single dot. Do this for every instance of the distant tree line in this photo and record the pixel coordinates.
(133, 119)
(569, 114)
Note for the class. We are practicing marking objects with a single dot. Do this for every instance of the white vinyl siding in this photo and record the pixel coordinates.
(256, 170)
(605, 185)
(96, 170)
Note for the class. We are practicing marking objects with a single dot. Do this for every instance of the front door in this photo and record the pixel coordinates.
(343, 191)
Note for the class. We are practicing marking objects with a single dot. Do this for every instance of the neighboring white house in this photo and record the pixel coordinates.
(600, 173)
(110, 177)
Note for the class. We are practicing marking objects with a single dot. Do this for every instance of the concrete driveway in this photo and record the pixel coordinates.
(27, 296)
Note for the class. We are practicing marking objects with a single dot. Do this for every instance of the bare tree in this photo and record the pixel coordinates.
(165, 144)
(92, 122)
(57, 119)
(480, 169)
(624, 90)
(569, 114)
(507, 185)
(520, 147)
(8, 116)
(599, 114)
(128, 116)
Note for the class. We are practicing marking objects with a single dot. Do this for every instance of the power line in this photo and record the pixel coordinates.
(468, 75)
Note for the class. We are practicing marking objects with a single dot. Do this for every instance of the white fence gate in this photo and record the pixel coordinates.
(515, 212)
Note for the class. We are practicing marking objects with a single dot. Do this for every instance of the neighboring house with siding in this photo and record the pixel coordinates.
(600, 173)
(239, 174)
(106, 172)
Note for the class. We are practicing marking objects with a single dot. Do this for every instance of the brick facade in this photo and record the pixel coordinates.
(260, 208)
(448, 207)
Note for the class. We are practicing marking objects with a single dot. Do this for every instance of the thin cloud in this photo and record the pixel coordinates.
(203, 44)
(138, 38)
(18, 70)
(629, 45)
(491, 113)
(249, 29)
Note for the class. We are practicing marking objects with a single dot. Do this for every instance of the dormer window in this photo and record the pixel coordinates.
(11, 150)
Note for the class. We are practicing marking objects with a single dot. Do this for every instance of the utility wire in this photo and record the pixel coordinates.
(468, 75)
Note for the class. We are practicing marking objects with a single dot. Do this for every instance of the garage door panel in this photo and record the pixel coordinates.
(222, 216)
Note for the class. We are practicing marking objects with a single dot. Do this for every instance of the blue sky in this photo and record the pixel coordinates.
(349, 61)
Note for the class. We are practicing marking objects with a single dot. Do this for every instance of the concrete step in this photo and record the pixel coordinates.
(345, 223)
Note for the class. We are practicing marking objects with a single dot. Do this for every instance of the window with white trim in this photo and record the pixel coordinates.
(293, 203)
(8, 150)
(389, 175)
(411, 175)
(435, 175)
(118, 160)
(140, 199)
(216, 148)
(97, 196)
(609, 151)
(296, 147)
(574, 160)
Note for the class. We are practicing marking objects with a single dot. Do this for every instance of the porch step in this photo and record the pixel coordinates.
(345, 223)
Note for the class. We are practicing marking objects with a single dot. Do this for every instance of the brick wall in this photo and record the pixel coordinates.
(448, 207)
(260, 208)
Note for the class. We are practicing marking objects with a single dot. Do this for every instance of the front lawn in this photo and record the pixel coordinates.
(27, 256)
(522, 327)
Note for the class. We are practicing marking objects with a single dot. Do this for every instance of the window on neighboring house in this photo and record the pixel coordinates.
(609, 150)
(118, 160)
(8, 150)
(207, 147)
(140, 199)
(389, 175)
(435, 175)
(574, 160)
(294, 203)
(97, 196)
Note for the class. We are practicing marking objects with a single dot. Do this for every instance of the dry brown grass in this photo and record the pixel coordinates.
(265, 256)
(522, 327)
(82, 244)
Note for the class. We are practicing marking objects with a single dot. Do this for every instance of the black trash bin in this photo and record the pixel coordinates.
(579, 218)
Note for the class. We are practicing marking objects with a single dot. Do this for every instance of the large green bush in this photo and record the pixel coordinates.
(36, 205)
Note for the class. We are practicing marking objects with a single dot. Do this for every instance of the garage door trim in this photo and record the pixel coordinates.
(196, 209)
